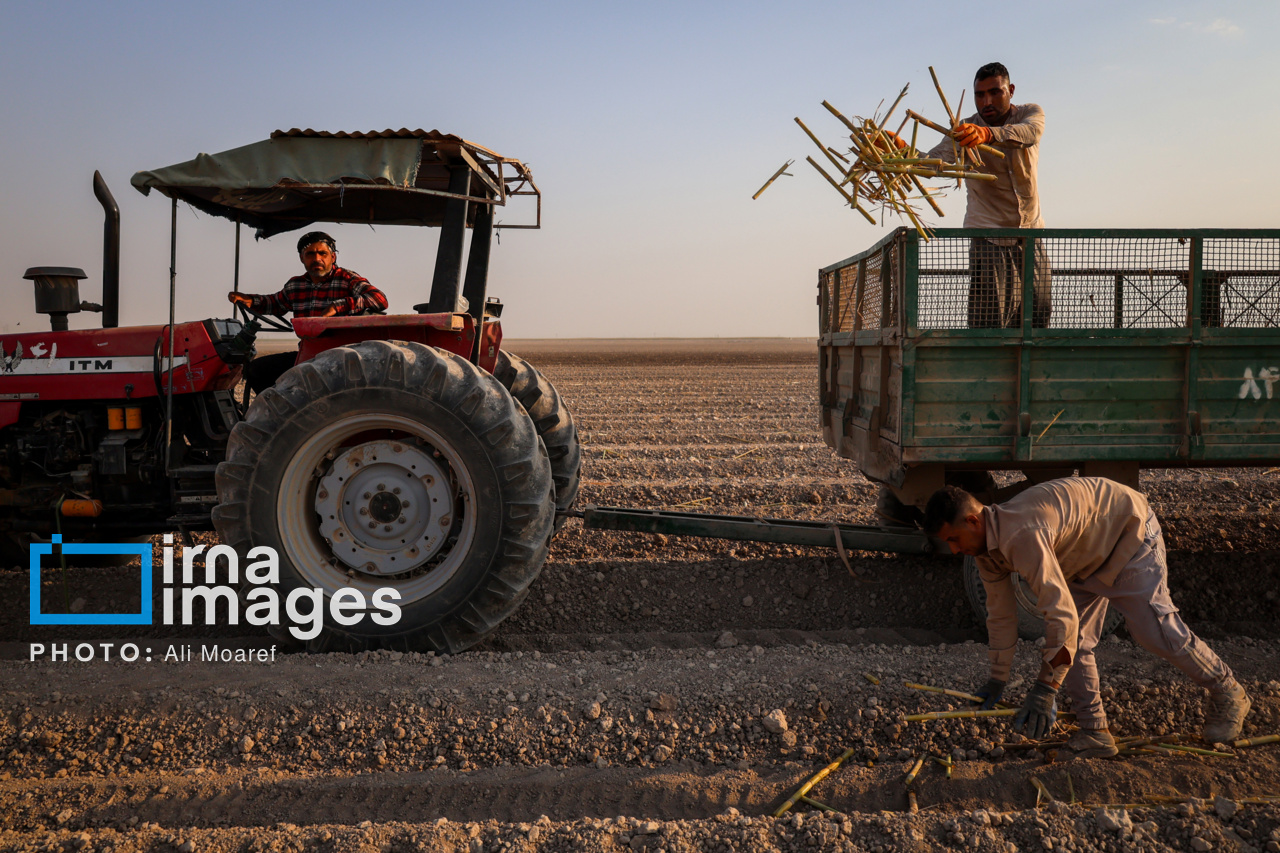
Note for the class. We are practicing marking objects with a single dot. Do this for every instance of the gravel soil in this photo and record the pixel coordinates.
(652, 693)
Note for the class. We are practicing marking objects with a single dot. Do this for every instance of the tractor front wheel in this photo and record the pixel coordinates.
(391, 465)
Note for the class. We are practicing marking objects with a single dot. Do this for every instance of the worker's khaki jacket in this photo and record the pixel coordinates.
(1051, 534)
(1013, 199)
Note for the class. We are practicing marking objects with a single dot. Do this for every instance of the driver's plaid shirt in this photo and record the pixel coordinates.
(350, 291)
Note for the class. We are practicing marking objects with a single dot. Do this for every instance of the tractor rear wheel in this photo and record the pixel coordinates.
(392, 465)
(1030, 624)
(554, 424)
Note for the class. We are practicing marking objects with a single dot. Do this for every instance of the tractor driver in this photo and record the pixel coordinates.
(326, 290)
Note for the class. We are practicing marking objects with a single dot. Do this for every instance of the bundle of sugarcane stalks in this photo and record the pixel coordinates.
(879, 173)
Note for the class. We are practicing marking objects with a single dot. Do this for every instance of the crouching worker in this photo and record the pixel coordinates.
(1081, 544)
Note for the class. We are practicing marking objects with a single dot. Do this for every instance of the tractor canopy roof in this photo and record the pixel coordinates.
(298, 177)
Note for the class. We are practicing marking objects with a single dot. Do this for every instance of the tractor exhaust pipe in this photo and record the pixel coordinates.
(110, 253)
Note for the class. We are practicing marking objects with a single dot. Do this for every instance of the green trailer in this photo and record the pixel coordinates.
(1161, 350)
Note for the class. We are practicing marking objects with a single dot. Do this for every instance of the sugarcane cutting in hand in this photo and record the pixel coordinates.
(993, 152)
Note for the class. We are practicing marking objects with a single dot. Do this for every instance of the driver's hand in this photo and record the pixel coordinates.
(331, 311)
(240, 299)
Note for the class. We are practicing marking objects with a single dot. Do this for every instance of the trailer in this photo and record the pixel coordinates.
(1162, 350)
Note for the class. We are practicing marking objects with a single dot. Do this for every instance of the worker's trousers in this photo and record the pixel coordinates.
(1141, 594)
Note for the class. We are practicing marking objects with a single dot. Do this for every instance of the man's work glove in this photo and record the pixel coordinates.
(990, 693)
(1038, 711)
(972, 135)
(887, 138)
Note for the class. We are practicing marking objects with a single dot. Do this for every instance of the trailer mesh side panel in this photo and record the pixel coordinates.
(943, 284)
(845, 306)
(1119, 284)
(1094, 283)
(1241, 283)
(848, 279)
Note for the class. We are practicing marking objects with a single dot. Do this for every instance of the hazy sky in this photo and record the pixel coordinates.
(648, 127)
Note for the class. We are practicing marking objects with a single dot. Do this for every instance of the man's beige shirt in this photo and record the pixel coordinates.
(1013, 199)
(1050, 535)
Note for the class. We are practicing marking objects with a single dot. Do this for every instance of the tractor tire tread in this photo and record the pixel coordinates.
(521, 463)
(554, 423)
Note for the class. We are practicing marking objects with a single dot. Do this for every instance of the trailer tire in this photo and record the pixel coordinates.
(1030, 625)
(323, 470)
(553, 422)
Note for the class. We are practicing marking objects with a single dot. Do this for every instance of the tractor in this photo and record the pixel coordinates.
(402, 450)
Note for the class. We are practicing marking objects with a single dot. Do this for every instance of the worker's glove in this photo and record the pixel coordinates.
(990, 693)
(1038, 712)
(887, 138)
(972, 135)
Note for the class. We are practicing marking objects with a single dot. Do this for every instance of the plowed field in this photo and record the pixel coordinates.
(654, 693)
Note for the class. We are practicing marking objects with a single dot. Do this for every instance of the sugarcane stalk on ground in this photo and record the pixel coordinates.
(809, 801)
(1196, 750)
(1041, 791)
(813, 780)
(913, 772)
(1035, 744)
(955, 694)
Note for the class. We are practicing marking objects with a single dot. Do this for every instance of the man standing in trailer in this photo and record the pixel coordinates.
(1010, 201)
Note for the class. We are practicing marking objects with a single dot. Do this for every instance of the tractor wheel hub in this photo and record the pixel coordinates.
(385, 507)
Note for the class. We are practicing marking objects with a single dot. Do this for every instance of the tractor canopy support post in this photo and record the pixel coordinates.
(110, 253)
(448, 275)
(475, 284)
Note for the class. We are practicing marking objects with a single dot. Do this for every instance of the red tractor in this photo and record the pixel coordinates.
(403, 450)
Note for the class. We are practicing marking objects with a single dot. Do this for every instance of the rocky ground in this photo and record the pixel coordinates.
(654, 693)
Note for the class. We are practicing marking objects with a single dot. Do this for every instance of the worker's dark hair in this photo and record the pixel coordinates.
(947, 506)
(992, 69)
(316, 237)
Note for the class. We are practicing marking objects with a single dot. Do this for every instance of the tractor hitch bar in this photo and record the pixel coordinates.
(901, 540)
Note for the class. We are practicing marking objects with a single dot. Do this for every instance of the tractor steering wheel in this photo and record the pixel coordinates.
(270, 321)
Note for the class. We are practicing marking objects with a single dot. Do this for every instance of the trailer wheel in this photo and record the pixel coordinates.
(554, 424)
(392, 465)
(1030, 625)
